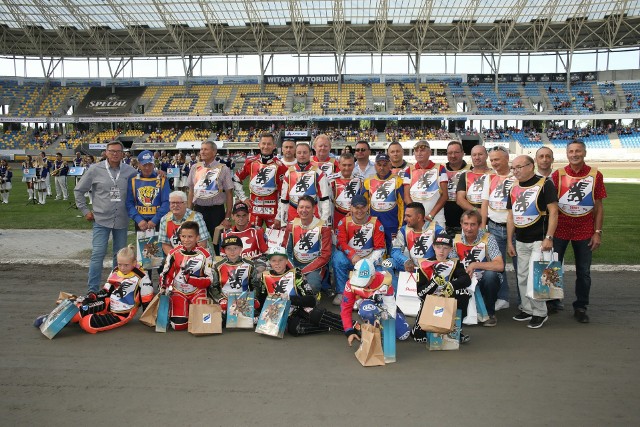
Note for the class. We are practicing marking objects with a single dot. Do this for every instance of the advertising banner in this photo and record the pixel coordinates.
(104, 101)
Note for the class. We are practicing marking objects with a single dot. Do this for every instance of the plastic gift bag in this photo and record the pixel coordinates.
(240, 310)
(545, 281)
(273, 318)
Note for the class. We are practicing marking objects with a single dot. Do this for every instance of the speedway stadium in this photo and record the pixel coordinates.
(165, 75)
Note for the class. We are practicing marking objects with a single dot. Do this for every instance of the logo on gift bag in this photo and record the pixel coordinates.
(438, 311)
(206, 318)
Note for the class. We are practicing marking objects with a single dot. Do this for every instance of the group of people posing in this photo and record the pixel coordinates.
(345, 227)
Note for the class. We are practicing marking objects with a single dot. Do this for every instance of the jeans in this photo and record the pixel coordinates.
(583, 256)
(489, 287)
(529, 305)
(500, 234)
(99, 250)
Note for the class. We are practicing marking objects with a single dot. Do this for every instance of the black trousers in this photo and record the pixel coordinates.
(213, 217)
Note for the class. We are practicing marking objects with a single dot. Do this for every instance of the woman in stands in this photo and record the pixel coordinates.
(5, 180)
(28, 164)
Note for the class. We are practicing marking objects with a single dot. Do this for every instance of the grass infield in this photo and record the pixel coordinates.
(617, 241)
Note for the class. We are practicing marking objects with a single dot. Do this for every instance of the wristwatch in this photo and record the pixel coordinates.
(228, 219)
(548, 237)
(599, 232)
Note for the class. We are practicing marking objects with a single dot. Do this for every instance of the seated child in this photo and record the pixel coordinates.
(281, 279)
(117, 302)
(364, 288)
(186, 274)
(444, 277)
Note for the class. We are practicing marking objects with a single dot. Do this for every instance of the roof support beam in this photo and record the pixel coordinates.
(97, 33)
(465, 24)
(29, 28)
(61, 27)
(297, 25)
(135, 30)
(214, 25)
(339, 32)
(422, 25)
(257, 26)
(614, 21)
(381, 24)
(541, 24)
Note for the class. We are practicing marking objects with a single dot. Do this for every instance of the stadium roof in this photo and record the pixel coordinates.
(148, 28)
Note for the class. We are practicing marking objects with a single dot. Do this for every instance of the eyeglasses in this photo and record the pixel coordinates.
(359, 150)
(519, 168)
(175, 203)
(115, 151)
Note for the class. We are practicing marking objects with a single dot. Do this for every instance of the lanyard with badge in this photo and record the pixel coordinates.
(114, 192)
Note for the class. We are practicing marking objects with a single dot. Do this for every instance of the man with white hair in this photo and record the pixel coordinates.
(178, 214)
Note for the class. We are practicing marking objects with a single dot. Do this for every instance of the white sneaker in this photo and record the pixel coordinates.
(337, 300)
(500, 304)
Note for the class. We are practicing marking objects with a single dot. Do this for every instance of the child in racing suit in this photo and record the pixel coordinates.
(366, 285)
(127, 288)
(186, 274)
(442, 276)
(305, 318)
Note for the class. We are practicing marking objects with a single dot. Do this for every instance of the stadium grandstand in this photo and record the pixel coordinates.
(167, 75)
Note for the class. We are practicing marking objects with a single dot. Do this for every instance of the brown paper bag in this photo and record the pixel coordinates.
(370, 352)
(438, 314)
(150, 314)
(65, 295)
(205, 317)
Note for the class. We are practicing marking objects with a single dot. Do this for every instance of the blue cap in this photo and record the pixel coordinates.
(145, 157)
(359, 200)
(383, 156)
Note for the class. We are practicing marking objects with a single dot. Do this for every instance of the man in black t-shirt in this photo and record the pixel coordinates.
(533, 216)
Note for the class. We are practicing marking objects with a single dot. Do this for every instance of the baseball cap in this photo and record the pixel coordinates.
(382, 157)
(240, 206)
(232, 241)
(277, 250)
(363, 273)
(421, 143)
(145, 157)
(359, 200)
(443, 239)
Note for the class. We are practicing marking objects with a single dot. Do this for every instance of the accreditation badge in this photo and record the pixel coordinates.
(114, 194)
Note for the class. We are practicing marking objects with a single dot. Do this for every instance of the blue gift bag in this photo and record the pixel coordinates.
(240, 310)
(545, 278)
(450, 341)
(58, 318)
(162, 321)
(273, 318)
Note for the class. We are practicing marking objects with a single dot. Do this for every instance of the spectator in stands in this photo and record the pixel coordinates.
(455, 166)
(494, 212)
(108, 181)
(426, 183)
(533, 222)
(211, 189)
(364, 167)
(580, 219)
(471, 182)
(544, 161)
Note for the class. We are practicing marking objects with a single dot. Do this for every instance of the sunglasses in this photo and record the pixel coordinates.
(358, 150)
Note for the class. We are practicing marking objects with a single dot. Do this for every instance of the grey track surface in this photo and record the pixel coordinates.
(565, 373)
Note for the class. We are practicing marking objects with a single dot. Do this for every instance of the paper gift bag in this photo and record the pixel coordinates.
(273, 318)
(149, 315)
(58, 318)
(205, 317)
(162, 318)
(407, 296)
(149, 250)
(370, 351)
(449, 341)
(240, 310)
(545, 280)
(438, 314)
(65, 295)
(274, 237)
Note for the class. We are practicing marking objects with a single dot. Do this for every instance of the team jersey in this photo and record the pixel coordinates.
(364, 240)
(446, 278)
(265, 184)
(496, 193)
(308, 248)
(343, 191)
(187, 270)
(128, 291)
(207, 183)
(253, 241)
(311, 182)
(148, 198)
(328, 167)
(386, 201)
(452, 181)
(468, 253)
(576, 193)
(289, 284)
(524, 203)
(423, 185)
(237, 276)
(472, 183)
(413, 245)
(400, 170)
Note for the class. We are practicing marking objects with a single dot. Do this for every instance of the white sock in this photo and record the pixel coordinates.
(30, 191)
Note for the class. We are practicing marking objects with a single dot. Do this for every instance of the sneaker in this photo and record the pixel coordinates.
(39, 320)
(537, 321)
(492, 321)
(337, 300)
(581, 315)
(501, 304)
(330, 293)
(464, 338)
(522, 316)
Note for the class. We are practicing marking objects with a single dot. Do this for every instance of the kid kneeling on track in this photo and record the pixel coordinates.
(186, 275)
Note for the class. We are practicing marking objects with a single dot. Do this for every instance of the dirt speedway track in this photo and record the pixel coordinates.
(565, 373)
